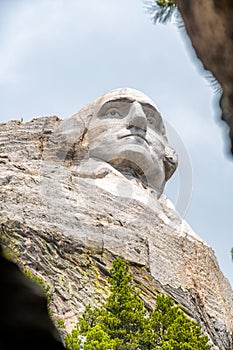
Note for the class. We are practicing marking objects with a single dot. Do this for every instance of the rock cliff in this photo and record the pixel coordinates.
(209, 25)
(67, 224)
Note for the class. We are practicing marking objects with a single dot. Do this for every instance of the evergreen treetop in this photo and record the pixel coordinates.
(123, 323)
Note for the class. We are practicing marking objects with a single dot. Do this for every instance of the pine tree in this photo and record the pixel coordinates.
(124, 310)
(98, 339)
(72, 340)
(123, 323)
(122, 317)
(160, 10)
(171, 329)
(164, 3)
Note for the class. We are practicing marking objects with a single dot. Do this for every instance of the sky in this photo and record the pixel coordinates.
(57, 55)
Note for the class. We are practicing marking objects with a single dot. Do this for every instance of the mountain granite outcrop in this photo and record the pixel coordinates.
(79, 192)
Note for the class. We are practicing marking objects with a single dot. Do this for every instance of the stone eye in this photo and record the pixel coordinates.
(113, 113)
(151, 120)
(153, 117)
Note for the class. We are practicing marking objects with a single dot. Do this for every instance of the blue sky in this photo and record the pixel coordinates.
(57, 55)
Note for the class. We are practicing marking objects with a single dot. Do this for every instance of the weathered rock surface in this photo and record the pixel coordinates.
(24, 319)
(209, 24)
(67, 224)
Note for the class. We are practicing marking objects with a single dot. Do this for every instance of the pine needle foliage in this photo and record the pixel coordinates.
(160, 10)
(164, 11)
(123, 323)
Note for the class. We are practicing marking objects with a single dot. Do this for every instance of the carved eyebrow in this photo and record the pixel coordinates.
(124, 99)
(111, 103)
(130, 100)
(148, 105)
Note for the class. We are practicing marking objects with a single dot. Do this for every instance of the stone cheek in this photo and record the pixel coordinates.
(68, 224)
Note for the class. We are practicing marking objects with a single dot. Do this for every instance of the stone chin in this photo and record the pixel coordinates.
(133, 161)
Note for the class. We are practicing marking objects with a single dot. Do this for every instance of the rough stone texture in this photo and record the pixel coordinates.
(24, 318)
(66, 216)
(209, 24)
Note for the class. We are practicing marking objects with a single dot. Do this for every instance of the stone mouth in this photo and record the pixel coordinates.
(135, 135)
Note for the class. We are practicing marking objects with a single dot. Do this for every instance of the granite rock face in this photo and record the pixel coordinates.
(209, 25)
(70, 205)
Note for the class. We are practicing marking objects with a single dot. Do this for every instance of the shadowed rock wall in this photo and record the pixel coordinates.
(209, 25)
(24, 319)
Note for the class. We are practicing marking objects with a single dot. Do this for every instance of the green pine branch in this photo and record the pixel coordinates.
(123, 323)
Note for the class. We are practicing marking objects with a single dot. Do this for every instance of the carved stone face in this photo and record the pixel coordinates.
(127, 131)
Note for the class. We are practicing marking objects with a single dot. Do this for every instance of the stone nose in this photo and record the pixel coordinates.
(137, 117)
